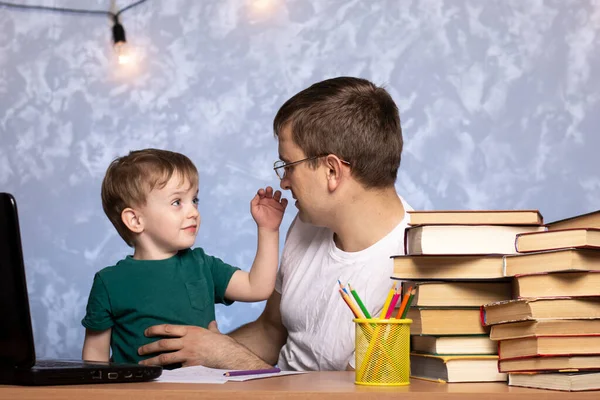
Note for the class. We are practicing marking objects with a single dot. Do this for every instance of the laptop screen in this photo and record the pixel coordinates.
(16, 335)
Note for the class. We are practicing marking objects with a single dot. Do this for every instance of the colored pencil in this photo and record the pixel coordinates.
(388, 300)
(359, 302)
(388, 314)
(410, 299)
(253, 372)
(403, 304)
(343, 288)
(355, 311)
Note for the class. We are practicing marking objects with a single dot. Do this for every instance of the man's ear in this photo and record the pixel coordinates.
(132, 220)
(335, 171)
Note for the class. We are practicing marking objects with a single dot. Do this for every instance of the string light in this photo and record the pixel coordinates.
(262, 9)
(122, 49)
(125, 54)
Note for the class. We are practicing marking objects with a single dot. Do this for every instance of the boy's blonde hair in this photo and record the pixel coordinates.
(130, 178)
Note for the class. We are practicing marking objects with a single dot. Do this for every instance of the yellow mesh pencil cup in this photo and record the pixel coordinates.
(382, 352)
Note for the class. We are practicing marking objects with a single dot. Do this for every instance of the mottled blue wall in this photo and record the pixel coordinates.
(499, 100)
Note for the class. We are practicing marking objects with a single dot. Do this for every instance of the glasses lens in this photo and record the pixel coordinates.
(278, 166)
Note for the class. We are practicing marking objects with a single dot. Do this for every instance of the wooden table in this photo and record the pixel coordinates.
(314, 385)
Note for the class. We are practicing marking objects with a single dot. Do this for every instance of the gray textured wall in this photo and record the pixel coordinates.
(499, 101)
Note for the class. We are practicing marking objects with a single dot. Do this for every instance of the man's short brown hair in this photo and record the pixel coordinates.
(351, 118)
(130, 178)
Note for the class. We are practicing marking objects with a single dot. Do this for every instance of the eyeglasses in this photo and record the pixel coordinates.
(281, 167)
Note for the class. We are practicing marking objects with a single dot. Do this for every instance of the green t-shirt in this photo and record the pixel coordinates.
(134, 295)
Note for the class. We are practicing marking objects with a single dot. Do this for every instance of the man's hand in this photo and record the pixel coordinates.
(192, 345)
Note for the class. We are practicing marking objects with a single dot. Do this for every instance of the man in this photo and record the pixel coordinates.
(340, 145)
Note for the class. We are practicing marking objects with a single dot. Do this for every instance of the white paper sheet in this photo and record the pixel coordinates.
(200, 374)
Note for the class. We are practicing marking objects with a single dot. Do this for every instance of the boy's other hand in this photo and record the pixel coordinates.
(267, 208)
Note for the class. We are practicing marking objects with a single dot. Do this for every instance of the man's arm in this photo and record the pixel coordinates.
(266, 336)
(193, 345)
(260, 342)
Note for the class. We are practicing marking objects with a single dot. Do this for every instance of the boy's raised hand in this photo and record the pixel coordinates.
(267, 208)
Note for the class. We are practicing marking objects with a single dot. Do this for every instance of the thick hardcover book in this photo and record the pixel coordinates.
(453, 345)
(449, 267)
(557, 284)
(463, 239)
(545, 327)
(552, 261)
(458, 293)
(550, 364)
(445, 321)
(589, 220)
(476, 217)
(549, 346)
(565, 381)
(455, 368)
(558, 239)
(533, 309)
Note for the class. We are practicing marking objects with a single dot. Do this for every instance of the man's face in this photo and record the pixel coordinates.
(303, 181)
(170, 215)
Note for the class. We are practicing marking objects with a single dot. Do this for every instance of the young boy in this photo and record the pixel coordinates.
(150, 196)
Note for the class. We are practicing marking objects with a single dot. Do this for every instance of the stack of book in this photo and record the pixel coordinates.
(454, 259)
(549, 334)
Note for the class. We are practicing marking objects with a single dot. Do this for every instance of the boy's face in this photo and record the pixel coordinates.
(170, 216)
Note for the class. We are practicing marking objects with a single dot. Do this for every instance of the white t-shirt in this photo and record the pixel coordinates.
(318, 321)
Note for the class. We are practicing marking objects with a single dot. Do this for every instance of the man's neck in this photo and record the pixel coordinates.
(368, 218)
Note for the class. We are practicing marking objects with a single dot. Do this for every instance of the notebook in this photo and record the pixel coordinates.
(17, 353)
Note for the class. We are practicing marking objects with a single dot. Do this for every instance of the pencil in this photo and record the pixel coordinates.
(403, 304)
(410, 299)
(353, 308)
(388, 300)
(359, 302)
(343, 288)
(390, 309)
(253, 372)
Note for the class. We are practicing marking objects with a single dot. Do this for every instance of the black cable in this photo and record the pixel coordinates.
(137, 3)
(114, 16)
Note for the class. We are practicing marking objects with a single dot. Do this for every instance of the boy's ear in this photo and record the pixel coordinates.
(132, 220)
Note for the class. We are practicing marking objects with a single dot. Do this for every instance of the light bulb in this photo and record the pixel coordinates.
(124, 53)
(122, 49)
(262, 9)
(263, 5)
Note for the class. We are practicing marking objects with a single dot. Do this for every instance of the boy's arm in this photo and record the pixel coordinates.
(258, 284)
(96, 345)
(267, 209)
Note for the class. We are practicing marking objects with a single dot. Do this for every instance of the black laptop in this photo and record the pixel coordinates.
(17, 354)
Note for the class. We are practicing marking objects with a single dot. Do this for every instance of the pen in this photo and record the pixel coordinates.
(253, 372)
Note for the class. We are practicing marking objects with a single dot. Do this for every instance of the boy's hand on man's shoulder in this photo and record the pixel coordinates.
(267, 208)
